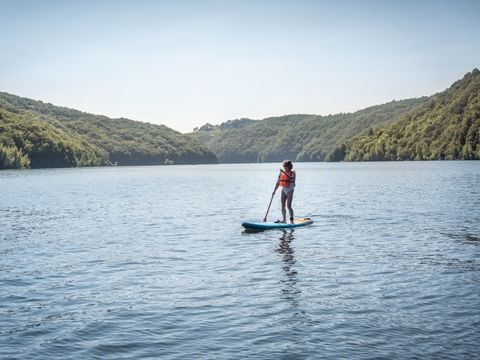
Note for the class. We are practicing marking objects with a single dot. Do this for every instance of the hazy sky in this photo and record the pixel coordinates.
(186, 63)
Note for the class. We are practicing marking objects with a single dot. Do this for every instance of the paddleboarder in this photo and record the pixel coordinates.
(286, 180)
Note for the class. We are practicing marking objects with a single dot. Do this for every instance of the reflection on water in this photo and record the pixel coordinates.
(290, 289)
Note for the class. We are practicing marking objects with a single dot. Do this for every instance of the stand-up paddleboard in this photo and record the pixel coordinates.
(276, 225)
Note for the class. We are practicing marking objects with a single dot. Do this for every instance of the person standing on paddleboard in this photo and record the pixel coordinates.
(286, 180)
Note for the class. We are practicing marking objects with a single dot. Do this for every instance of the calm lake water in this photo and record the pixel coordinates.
(152, 262)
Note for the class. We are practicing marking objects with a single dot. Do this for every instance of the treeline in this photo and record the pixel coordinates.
(38, 135)
(447, 127)
(296, 137)
(27, 141)
(12, 158)
(442, 126)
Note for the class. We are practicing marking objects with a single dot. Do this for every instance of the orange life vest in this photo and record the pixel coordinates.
(286, 178)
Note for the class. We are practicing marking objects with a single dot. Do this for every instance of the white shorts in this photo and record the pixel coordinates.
(286, 189)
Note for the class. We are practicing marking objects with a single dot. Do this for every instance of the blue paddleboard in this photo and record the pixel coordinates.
(275, 225)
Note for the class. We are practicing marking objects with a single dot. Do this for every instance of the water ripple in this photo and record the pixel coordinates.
(129, 263)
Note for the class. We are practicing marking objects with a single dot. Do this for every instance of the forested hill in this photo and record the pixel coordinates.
(296, 137)
(447, 126)
(35, 134)
(442, 126)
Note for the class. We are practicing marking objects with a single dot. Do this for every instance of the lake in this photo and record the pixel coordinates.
(152, 262)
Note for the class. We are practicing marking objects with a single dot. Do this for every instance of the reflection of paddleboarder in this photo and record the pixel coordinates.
(286, 180)
(290, 289)
(287, 251)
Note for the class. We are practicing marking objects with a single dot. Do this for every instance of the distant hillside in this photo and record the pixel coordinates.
(296, 137)
(447, 126)
(443, 126)
(35, 134)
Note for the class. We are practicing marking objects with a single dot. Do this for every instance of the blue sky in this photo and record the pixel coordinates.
(186, 63)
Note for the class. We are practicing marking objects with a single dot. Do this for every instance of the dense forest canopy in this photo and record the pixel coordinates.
(35, 134)
(442, 126)
(446, 127)
(296, 137)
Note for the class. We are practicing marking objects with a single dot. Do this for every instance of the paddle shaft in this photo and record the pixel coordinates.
(271, 199)
(268, 209)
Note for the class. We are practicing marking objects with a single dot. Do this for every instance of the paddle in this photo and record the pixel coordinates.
(268, 209)
(271, 199)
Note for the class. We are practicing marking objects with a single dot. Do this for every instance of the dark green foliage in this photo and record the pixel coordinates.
(443, 126)
(296, 137)
(38, 144)
(447, 127)
(52, 136)
(12, 158)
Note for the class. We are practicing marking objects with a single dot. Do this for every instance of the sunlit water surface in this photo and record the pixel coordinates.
(151, 262)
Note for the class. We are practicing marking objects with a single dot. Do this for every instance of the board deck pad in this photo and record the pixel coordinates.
(276, 225)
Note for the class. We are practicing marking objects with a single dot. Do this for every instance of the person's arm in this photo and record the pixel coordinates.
(276, 185)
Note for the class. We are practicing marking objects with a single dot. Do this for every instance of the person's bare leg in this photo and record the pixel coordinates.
(284, 210)
(289, 205)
